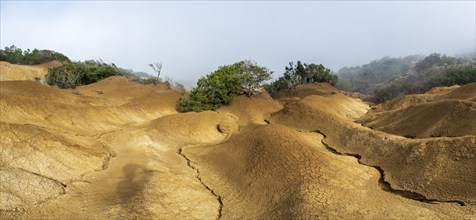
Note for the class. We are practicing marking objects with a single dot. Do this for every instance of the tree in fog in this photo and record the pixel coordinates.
(157, 67)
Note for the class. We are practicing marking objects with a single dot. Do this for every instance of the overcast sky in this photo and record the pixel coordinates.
(193, 38)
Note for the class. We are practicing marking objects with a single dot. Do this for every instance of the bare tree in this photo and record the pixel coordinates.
(157, 68)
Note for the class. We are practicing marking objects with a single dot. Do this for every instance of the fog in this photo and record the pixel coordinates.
(192, 39)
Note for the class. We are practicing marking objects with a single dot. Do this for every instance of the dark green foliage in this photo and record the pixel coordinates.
(213, 90)
(15, 55)
(220, 87)
(388, 78)
(252, 76)
(72, 74)
(390, 91)
(277, 85)
(456, 75)
(424, 81)
(301, 74)
(428, 62)
(436, 59)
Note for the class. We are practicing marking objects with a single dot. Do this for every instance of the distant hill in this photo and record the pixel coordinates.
(388, 78)
(365, 78)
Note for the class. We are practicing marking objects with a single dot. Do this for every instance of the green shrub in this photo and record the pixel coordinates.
(72, 74)
(301, 74)
(212, 91)
(436, 59)
(16, 55)
(253, 76)
(389, 92)
(456, 75)
(220, 87)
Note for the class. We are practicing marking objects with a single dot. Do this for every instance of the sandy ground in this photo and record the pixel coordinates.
(125, 153)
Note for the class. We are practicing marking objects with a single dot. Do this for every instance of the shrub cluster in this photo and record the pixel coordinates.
(390, 91)
(436, 59)
(366, 78)
(302, 74)
(454, 75)
(221, 86)
(72, 74)
(252, 76)
(16, 55)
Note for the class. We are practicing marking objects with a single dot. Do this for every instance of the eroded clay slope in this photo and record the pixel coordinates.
(118, 90)
(275, 172)
(69, 155)
(441, 112)
(464, 93)
(252, 109)
(148, 177)
(447, 118)
(10, 71)
(434, 169)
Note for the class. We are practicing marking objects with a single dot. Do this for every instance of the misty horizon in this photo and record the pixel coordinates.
(192, 39)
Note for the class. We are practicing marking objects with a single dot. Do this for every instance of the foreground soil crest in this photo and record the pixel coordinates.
(116, 149)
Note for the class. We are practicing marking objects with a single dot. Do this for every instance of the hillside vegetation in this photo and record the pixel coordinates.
(65, 73)
(388, 78)
(16, 55)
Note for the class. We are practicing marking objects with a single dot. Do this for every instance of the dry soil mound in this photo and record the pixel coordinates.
(35, 103)
(117, 90)
(466, 92)
(154, 104)
(10, 71)
(193, 128)
(443, 111)
(323, 110)
(36, 164)
(274, 172)
(35, 91)
(252, 109)
(449, 118)
(338, 105)
(304, 90)
(56, 143)
(443, 168)
(146, 179)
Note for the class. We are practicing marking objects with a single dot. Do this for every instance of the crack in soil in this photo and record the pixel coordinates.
(385, 185)
(57, 182)
(190, 164)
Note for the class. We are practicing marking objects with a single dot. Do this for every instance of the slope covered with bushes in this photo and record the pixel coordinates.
(388, 78)
(16, 55)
